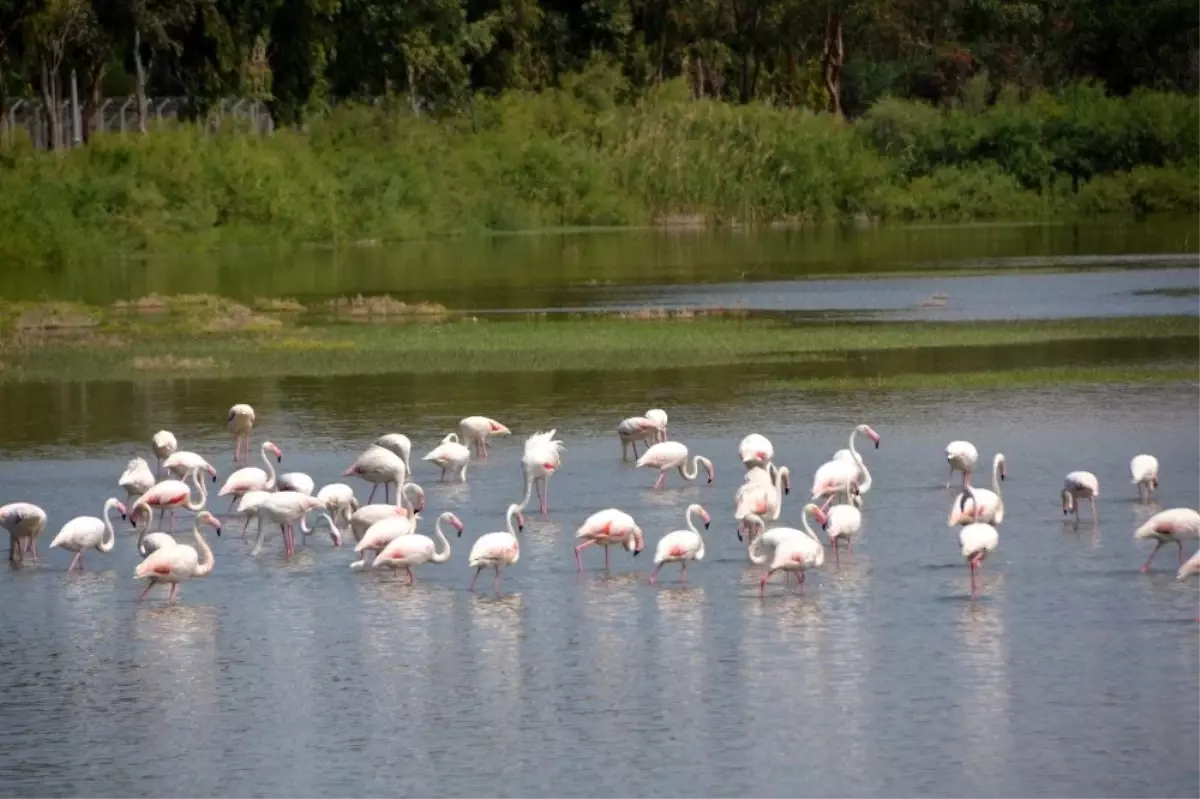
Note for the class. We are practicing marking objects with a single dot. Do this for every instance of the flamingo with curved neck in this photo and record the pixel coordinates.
(497, 550)
(88, 532)
(175, 564)
(407, 551)
(170, 495)
(252, 478)
(681, 546)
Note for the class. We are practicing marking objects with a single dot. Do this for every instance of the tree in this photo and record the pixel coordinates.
(50, 33)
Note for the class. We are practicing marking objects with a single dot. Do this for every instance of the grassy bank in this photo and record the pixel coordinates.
(575, 158)
(212, 337)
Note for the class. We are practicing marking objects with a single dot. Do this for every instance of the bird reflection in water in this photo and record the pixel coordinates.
(984, 706)
(497, 628)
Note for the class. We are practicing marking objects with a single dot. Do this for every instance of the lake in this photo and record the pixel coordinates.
(1072, 674)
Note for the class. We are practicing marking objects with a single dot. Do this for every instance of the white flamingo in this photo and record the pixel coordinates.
(1077, 486)
(182, 462)
(659, 417)
(771, 539)
(378, 465)
(1167, 526)
(414, 549)
(148, 543)
(606, 528)
(241, 423)
(137, 479)
(247, 507)
(412, 502)
(756, 450)
(831, 477)
(341, 503)
(497, 550)
(88, 532)
(635, 429)
(252, 478)
(1191, 566)
(765, 500)
(164, 444)
(668, 455)
(376, 537)
(985, 505)
(399, 444)
(1144, 471)
(176, 564)
(295, 481)
(285, 508)
(681, 546)
(541, 459)
(170, 495)
(977, 541)
(477, 430)
(450, 455)
(961, 457)
(24, 522)
(795, 551)
(842, 523)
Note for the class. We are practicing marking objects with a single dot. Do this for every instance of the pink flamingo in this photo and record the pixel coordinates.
(169, 495)
(542, 458)
(378, 465)
(88, 532)
(181, 462)
(175, 564)
(497, 550)
(252, 478)
(681, 546)
(164, 444)
(477, 430)
(241, 422)
(977, 541)
(1168, 526)
(606, 528)
(1077, 486)
(137, 478)
(23, 520)
(635, 429)
(411, 550)
(450, 455)
(667, 455)
(285, 508)
(986, 505)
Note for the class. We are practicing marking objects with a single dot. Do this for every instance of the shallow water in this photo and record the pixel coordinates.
(1072, 674)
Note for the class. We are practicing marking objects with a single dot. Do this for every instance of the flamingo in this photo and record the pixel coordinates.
(635, 429)
(1166, 526)
(149, 543)
(383, 532)
(977, 540)
(176, 563)
(252, 478)
(990, 507)
(241, 422)
(295, 481)
(137, 479)
(681, 546)
(413, 550)
(1191, 566)
(164, 444)
(659, 417)
(541, 459)
(88, 532)
(842, 523)
(450, 455)
(285, 508)
(498, 550)
(170, 495)
(608, 527)
(832, 476)
(181, 462)
(795, 551)
(22, 520)
(378, 465)
(667, 455)
(962, 457)
(477, 430)
(248, 507)
(362, 519)
(1144, 470)
(756, 450)
(1077, 486)
(765, 500)
(340, 501)
(776, 535)
(399, 444)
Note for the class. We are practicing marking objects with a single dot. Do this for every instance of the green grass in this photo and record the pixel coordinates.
(1007, 379)
(220, 338)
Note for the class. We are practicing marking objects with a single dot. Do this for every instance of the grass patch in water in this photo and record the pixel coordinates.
(1016, 378)
(1179, 291)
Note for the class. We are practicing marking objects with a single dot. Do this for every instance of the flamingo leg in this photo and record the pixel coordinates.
(950, 478)
(371, 496)
(683, 571)
(174, 590)
(386, 496)
(1095, 518)
(661, 482)
(836, 549)
(149, 585)
(1157, 546)
(410, 574)
(245, 526)
(473, 579)
(442, 479)
(579, 558)
(32, 548)
(654, 574)
(762, 585)
(606, 566)
(496, 582)
(800, 582)
(76, 561)
(1179, 543)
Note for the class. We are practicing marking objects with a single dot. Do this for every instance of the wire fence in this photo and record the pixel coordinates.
(120, 115)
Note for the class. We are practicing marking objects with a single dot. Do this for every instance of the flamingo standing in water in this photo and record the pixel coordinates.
(137, 479)
(635, 429)
(414, 549)
(795, 551)
(295, 481)
(365, 516)
(541, 459)
(378, 465)
(450, 455)
(1191, 566)
(757, 498)
(1168, 526)
(830, 479)
(164, 445)
(977, 541)
(285, 508)
(477, 430)
(247, 507)
(1077, 486)
(170, 495)
(606, 528)
(659, 417)
(88, 532)
(341, 503)
(1144, 470)
(667, 455)
(498, 550)
(776, 535)
(756, 450)
(182, 462)
(241, 423)
(252, 478)
(176, 564)
(961, 457)
(148, 543)
(399, 522)
(22, 520)
(681, 546)
(986, 506)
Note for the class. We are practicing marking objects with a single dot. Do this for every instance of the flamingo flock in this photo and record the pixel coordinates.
(385, 535)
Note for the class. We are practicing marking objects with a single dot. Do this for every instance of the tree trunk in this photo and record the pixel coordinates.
(139, 82)
(832, 59)
(93, 97)
(49, 91)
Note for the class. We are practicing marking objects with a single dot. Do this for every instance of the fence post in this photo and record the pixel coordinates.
(76, 119)
(124, 105)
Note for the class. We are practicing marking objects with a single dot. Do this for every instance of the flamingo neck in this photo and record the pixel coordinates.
(996, 476)
(755, 552)
(199, 482)
(205, 564)
(270, 469)
(808, 530)
(512, 514)
(444, 554)
(528, 494)
(695, 468)
(109, 539)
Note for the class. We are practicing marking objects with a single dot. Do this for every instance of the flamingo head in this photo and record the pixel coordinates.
(121, 507)
(498, 429)
(634, 542)
(456, 522)
(418, 496)
(274, 450)
(1154, 483)
(704, 515)
(818, 514)
(515, 510)
(212, 472)
(1068, 502)
(866, 430)
(136, 511)
(204, 517)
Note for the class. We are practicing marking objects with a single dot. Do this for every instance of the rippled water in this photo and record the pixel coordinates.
(1072, 674)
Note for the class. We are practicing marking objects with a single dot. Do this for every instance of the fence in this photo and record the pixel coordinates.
(119, 115)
